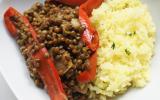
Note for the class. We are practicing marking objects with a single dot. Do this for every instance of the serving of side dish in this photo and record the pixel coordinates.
(93, 50)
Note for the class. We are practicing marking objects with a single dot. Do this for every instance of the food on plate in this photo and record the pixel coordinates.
(78, 53)
(126, 36)
(35, 54)
(55, 45)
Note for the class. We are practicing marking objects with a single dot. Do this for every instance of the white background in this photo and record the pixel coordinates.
(5, 91)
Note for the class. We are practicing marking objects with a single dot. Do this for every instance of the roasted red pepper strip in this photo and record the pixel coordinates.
(90, 73)
(72, 2)
(50, 76)
(47, 70)
(90, 37)
(9, 25)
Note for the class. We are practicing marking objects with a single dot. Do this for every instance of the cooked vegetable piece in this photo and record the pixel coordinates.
(90, 37)
(46, 68)
(89, 73)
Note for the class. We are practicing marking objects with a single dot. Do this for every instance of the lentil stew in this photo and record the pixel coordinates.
(59, 31)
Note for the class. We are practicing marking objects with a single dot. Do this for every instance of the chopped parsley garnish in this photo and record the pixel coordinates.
(134, 33)
(127, 52)
(113, 46)
(131, 34)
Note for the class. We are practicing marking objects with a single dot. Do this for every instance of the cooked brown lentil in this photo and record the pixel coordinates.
(27, 48)
(59, 30)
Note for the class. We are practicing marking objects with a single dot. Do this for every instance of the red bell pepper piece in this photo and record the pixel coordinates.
(90, 73)
(90, 37)
(72, 2)
(47, 70)
(50, 76)
(9, 25)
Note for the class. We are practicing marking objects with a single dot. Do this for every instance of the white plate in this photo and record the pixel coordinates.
(14, 70)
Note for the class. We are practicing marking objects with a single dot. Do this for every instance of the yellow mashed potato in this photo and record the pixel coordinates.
(126, 33)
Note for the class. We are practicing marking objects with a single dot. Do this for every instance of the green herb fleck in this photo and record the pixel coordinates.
(131, 34)
(127, 52)
(134, 33)
(113, 46)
